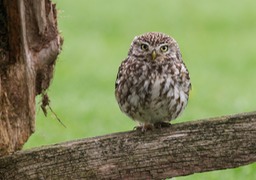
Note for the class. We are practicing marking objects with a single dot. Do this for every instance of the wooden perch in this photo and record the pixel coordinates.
(183, 149)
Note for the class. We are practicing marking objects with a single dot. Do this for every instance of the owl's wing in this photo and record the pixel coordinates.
(120, 72)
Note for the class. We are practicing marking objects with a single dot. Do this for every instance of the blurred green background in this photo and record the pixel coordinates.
(217, 40)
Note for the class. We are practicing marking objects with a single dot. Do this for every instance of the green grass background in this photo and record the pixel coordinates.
(217, 40)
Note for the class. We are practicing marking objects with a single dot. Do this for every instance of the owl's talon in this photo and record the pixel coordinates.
(144, 128)
(137, 128)
(160, 125)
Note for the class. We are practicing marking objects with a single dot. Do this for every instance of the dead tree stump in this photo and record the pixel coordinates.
(29, 45)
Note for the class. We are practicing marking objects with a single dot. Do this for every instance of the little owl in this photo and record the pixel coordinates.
(153, 83)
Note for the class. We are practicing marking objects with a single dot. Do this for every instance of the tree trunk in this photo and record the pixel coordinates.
(29, 45)
(182, 149)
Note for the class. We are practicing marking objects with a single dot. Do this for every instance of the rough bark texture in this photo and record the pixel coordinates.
(182, 149)
(29, 45)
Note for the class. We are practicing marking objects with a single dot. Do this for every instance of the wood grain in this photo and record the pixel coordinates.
(183, 149)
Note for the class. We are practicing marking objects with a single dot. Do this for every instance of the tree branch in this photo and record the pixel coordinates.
(183, 149)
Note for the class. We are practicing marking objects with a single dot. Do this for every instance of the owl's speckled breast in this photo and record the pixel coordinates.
(156, 92)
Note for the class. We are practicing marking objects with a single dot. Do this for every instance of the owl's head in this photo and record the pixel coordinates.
(154, 47)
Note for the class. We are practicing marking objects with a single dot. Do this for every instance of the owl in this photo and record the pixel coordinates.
(153, 83)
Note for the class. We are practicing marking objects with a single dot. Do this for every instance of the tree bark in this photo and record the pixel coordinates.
(29, 45)
(182, 149)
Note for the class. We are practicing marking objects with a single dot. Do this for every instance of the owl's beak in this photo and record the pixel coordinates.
(154, 54)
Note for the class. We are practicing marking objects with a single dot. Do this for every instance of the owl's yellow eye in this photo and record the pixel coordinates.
(144, 47)
(164, 48)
